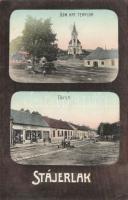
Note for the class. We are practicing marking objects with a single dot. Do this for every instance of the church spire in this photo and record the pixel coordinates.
(74, 47)
(74, 31)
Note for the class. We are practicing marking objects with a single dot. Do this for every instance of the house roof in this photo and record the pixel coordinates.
(58, 124)
(35, 119)
(102, 54)
(81, 128)
(27, 118)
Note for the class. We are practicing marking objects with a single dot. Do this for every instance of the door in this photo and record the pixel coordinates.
(17, 136)
(74, 51)
(95, 64)
(46, 135)
(65, 134)
(33, 136)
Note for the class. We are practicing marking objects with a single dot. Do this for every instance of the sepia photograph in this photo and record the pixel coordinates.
(65, 128)
(63, 46)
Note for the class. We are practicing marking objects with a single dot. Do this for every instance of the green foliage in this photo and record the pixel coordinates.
(106, 129)
(38, 38)
(100, 129)
(16, 45)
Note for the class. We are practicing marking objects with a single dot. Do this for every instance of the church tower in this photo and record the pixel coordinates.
(74, 47)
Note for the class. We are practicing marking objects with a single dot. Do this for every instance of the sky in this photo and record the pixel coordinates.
(83, 108)
(96, 28)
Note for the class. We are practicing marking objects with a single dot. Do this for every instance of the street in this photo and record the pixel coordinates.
(83, 153)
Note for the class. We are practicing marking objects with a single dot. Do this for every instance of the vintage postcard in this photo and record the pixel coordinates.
(64, 100)
(65, 128)
(63, 46)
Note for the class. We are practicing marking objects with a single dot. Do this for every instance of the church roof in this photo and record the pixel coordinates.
(70, 42)
(102, 54)
(74, 29)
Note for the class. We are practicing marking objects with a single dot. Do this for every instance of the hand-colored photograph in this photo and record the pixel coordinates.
(65, 128)
(63, 46)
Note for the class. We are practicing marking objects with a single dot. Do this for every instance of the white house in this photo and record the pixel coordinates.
(93, 134)
(59, 129)
(102, 58)
(80, 132)
(26, 127)
(83, 132)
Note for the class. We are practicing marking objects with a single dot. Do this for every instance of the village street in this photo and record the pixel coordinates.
(67, 72)
(84, 153)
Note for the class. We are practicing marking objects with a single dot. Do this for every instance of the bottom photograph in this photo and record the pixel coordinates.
(65, 128)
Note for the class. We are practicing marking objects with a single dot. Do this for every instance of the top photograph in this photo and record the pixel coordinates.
(63, 46)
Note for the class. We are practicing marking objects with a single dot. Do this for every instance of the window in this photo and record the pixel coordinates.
(45, 134)
(53, 133)
(65, 134)
(58, 133)
(102, 63)
(71, 133)
(28, 135)
(39, 135)
(88, 62)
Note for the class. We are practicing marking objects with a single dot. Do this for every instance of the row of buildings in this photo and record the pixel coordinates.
(26, 127)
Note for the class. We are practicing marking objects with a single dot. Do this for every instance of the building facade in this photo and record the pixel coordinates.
(26, 127)
(102, 58)
(80, 132)
(59, 129)
(74, 47)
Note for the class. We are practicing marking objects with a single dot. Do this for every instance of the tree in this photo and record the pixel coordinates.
(106, 129)
(116, 129)
(39, 39)
(100, 129)
(16, 45)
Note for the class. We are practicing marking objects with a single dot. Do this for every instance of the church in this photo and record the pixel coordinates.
(74, 47)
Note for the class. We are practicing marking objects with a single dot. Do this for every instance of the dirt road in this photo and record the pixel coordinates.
(66, 73)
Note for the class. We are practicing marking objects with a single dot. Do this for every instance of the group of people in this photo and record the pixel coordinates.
(41, 63)
(64, 143)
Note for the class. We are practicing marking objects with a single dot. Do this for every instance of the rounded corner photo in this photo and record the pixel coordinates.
(63, 46)
(65, 128)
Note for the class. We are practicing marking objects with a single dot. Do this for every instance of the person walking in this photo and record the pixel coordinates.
(42, 63)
